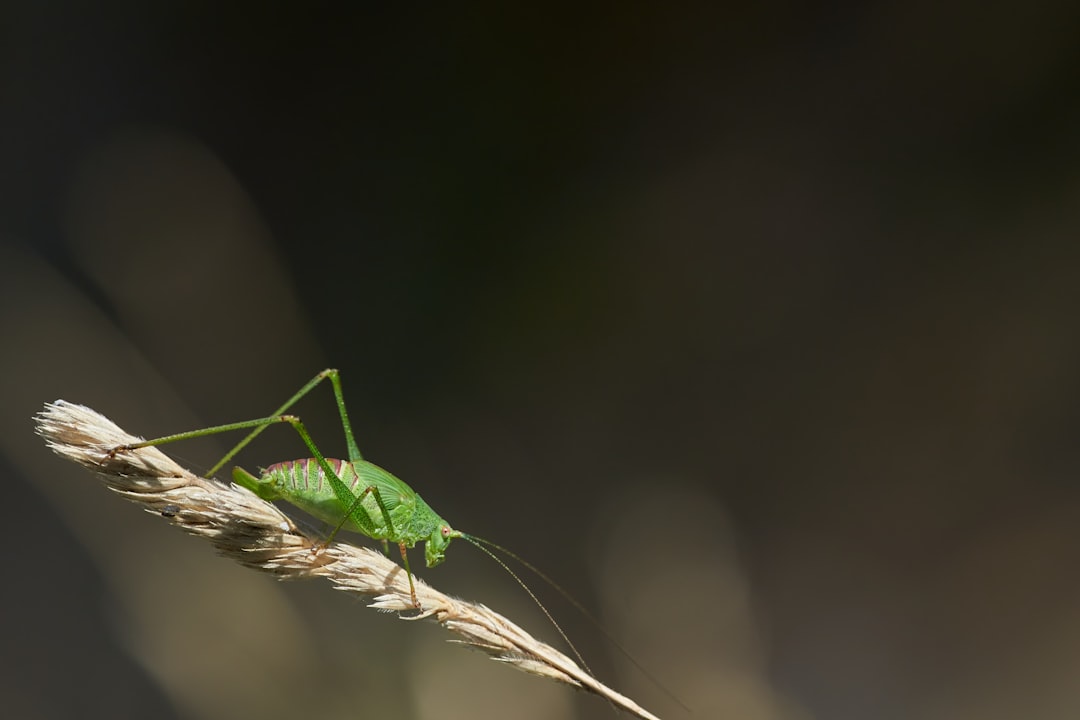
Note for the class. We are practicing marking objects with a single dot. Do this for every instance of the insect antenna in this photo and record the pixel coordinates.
(480, 542)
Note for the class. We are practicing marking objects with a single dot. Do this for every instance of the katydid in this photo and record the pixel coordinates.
(352, 494)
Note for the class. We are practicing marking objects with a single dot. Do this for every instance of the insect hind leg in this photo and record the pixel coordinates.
(279, 416)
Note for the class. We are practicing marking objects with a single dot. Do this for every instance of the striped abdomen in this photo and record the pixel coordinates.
(303, 483)
(306, 477)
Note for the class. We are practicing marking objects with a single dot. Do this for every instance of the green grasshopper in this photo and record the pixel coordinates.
(354, 494)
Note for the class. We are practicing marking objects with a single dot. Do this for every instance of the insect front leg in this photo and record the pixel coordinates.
(408, 571)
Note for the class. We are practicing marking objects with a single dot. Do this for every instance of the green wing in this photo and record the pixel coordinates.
(398, 499)
(394, 491)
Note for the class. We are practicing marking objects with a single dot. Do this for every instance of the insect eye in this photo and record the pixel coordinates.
(446, 531)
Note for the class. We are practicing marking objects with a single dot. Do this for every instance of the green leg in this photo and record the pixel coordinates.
(408, 571)
(353, 512)
(261, 424)
(339, 397)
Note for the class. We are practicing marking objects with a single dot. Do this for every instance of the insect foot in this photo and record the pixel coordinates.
(113, 452)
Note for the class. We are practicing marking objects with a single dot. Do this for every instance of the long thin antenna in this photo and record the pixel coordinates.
(573, 601)
(479, 543)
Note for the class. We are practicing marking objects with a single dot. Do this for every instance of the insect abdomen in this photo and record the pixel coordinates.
(304, 483)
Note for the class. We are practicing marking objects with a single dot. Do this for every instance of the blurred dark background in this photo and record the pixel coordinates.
(755, 326)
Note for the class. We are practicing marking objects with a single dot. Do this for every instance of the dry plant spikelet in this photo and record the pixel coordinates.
(255, 533)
